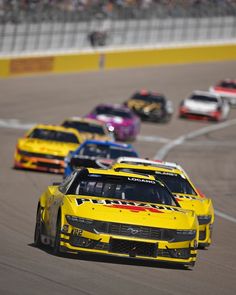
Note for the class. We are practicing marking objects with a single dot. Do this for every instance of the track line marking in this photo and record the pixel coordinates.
(162, 153)
(150, 138)
(15, 124)
(225, 216)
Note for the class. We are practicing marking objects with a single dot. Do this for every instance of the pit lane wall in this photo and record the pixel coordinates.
(114, 59)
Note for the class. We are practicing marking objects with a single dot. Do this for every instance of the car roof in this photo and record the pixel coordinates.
(228, 80)
(56, 128)
(148, 162)
(147, 93)
(83, 119)
(108, 143)
(120, 173)
(148, 168)
(206, 93)
(114, 106)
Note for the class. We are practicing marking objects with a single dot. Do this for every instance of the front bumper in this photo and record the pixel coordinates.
(205, 235)
(39, 164)
(199, 116)
(77, 240)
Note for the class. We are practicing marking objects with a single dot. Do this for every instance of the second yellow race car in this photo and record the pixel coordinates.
(89, 128)
(116, 213)
(44, 148)
(182, 188)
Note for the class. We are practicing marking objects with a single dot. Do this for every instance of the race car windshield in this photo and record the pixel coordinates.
(175, 182)
(149, 98)
(53, 135)
(225, 84)
(202, 98)
(85, 127)
(105, 151)
(123, 188)
(113, 112)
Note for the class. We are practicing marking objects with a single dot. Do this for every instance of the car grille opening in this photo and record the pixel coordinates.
(133, 248)
(87, 243)
(181, 253)
(49, 165)
(202, 235)
(144, 232)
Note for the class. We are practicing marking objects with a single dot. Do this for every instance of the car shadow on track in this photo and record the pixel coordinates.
(114, 259)
(26, 170)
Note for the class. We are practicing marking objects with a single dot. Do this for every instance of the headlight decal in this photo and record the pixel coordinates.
(204, 219)
(120, 229)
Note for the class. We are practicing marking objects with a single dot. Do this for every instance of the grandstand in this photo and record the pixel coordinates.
(65, 25)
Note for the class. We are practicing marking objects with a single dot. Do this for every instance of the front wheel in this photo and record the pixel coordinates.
(38, 228)
(56, 247)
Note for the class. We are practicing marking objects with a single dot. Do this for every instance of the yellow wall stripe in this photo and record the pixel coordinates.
(76, 63)
(94, 61)
(4, 67)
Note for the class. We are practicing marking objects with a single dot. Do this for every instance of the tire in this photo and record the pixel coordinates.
(38, 228)
(56, 247)
(190, 265)
(203, 246)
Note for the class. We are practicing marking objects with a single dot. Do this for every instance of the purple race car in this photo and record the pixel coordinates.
(124, 123)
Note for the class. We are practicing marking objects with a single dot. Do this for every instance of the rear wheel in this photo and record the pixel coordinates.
(56, 247)
(38, 228)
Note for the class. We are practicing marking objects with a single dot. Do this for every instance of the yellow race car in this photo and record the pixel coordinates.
(116, 213)
(182, 188)
(89, 128)
(44, 148)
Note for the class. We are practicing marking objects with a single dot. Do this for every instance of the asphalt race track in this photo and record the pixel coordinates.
(209, 159)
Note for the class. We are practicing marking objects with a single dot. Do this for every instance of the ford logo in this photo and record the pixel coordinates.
(133, 231)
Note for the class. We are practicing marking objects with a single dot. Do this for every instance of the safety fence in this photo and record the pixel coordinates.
(46, 38)
(37, 29)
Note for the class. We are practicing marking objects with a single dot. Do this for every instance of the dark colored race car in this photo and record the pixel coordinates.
(97, 154)
(150, 106)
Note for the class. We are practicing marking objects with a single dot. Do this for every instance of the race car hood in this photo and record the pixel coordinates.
(223, 90)
(200, 106)
(131, 212)
(115, 120)
(92, 162)
(144, 105)
(201, 206)
(46, 146)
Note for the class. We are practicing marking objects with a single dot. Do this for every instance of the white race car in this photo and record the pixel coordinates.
(204, 105)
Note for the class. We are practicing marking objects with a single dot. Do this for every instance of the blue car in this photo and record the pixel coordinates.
(97, 154)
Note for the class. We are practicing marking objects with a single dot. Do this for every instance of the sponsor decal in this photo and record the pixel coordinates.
(141, 180)
(129, 205)
(166, 173)
(31, 65)
(184, 197)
